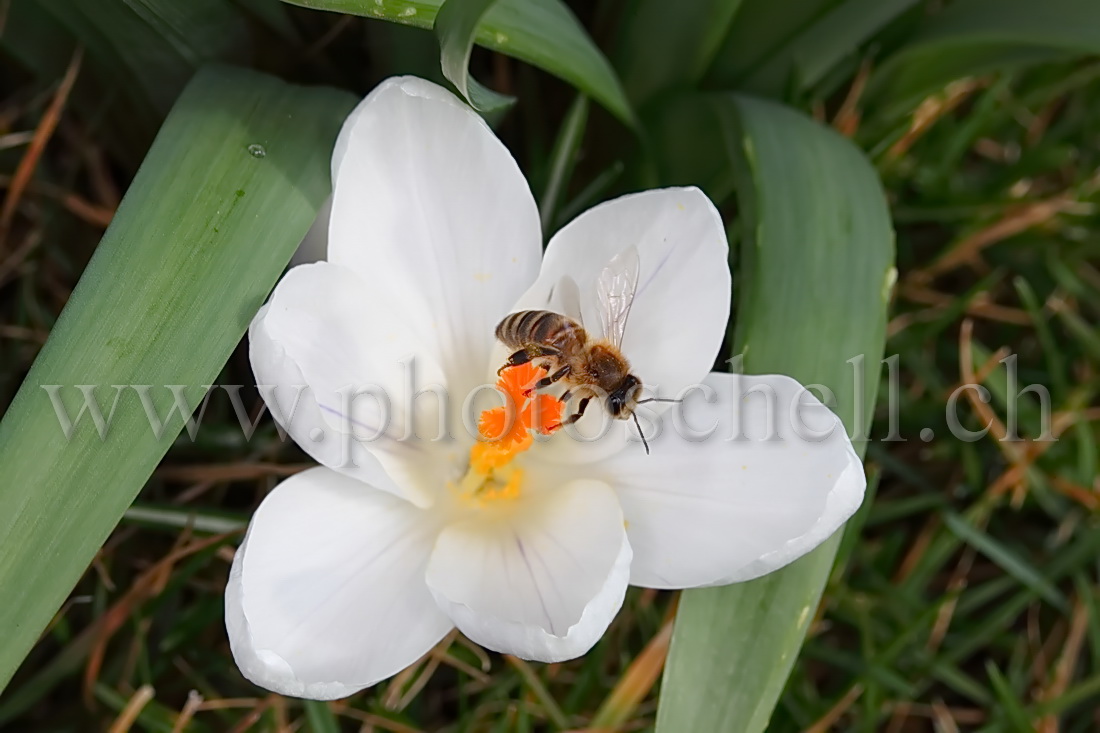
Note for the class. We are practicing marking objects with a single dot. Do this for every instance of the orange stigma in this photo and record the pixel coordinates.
(507, 430)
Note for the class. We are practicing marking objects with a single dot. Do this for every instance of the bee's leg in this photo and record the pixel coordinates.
(525, 355)
(580, 411)
(565, 396)
(546, 381)
(575, 416)
(520, 357)
(548, 355)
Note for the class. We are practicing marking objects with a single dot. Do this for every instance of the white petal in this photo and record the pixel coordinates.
(432, 212)
(710, 511)
(294, 408)
(317, 330)
(327, 593)
(682, 302)
(541, 579)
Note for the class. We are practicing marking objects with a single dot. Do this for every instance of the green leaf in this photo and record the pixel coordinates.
(229, 188)
(813, 291)
(1013, 565)
(562, 159)
(688, 145)
(972, 37)
(662, 47)
(541, 32)
(147, 50)
(35, 39)
(778, 49)
(804, 60)
(321, 718)
(156, 45)
(152, 717)
(1010, 706)
(455, 27)
(273, 15)
(759, 29)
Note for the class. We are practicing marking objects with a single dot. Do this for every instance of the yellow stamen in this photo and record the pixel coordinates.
(481, 487)
(507, 432)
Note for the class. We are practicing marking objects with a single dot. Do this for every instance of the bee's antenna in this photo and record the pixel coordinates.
(640, 433)
(657, 399)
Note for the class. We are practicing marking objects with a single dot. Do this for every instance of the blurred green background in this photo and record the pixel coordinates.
(966, 591)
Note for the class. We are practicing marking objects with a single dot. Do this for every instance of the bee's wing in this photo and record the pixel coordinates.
(615, 291)
(565, 298)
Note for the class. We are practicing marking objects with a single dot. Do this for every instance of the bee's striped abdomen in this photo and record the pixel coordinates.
(540, 328)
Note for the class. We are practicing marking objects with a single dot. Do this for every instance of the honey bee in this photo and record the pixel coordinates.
(560, 344)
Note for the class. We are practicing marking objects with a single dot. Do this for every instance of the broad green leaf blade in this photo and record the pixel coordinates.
(541, 32)
(778, 49)
(688, 145)
(664, 47)
(273, 14)
(816, 269)
(155, 45)
(972, 37)
(229, 188)
(804, 60)
(455, 26)
(758, 30)
(36, 40)
(146, 50)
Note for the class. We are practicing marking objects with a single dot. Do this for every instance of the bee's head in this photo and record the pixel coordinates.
(624, 398)
(621, 400)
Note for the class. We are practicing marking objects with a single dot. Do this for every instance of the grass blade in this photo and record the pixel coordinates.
(813, 296)
(321, 718)
(562, 159)
(223, 198)
(1007, 560)
(1009, 701)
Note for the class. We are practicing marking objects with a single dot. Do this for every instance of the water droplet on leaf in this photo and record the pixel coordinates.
(256, 150)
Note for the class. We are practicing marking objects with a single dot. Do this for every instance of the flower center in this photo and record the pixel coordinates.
(507, 431)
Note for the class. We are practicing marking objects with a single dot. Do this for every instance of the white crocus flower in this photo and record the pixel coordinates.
(352, 570)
